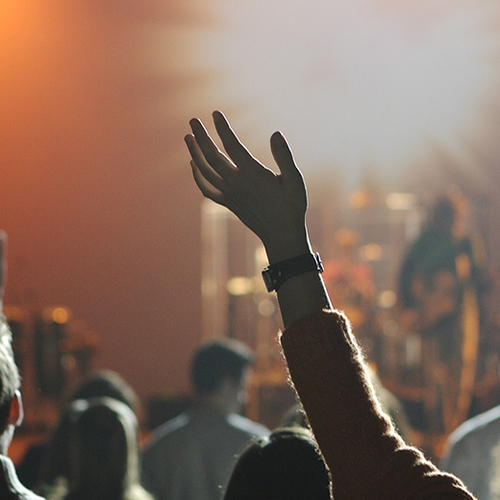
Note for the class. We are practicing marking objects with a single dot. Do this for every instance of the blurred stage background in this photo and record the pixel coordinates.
(380, 99)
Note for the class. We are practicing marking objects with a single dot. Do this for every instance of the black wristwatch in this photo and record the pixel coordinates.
(276, 274)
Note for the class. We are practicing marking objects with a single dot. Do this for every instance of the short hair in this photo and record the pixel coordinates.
(218, 360)
(285, 465)
(10, 380)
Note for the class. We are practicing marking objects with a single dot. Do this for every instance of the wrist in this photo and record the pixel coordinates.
(287, 246)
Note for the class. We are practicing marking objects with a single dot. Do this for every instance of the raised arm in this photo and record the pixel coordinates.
(365, 455)
(273, 205)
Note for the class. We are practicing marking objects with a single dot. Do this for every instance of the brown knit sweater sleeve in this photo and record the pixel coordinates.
(366, 457)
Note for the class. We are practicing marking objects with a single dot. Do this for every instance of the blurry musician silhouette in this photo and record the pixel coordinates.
(439, 286)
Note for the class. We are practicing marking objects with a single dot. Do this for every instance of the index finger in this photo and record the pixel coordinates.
(213, 155)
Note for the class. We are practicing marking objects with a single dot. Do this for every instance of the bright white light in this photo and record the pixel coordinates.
(353, 82)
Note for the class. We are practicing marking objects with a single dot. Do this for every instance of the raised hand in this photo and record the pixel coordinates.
(272, 205)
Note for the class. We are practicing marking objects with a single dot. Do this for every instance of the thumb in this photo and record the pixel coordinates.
(283, 156)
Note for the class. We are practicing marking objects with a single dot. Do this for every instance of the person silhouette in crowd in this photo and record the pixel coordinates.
(11, 416)
(192, 456)
(11, 404)
(287, 465)
(472, 453)
(46, 465)
(103, 452)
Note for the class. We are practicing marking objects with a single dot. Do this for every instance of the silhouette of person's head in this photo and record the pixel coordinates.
(443, 214)
(11, 411)
(103, 383)
(106, 383)
(285, 465)
(103, 454)
(218, 373)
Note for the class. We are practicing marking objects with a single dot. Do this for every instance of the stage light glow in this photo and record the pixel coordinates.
(402, 201)
(239, 285)
(371, 252)
(58, 315)
(352, 83)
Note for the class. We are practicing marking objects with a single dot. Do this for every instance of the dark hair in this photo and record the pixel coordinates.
(285, 466)
(443, 215)
(10, 381)
(217, 360)
(106, 383)
(103, 383)
(103, 452)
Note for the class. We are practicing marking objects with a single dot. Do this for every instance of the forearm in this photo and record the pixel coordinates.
(301, 296)
(366, 457)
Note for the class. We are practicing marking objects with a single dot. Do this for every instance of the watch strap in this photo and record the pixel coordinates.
(276, 274)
